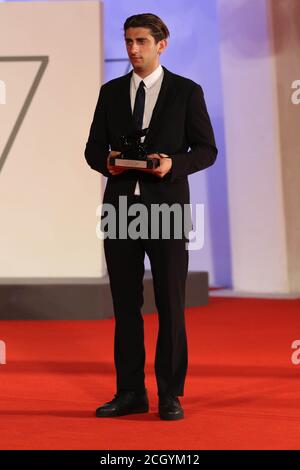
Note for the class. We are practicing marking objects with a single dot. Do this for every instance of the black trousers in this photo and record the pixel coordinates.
(169, 266)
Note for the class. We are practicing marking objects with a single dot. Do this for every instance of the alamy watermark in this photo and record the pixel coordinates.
(2, 92)
(160, 221)
(295, 97)
(2, 352)
(295, 357)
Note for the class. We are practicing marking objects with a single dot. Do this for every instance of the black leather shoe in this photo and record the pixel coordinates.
(124, 403)
(169, 408)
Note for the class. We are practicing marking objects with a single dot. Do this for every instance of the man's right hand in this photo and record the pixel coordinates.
(115, 170)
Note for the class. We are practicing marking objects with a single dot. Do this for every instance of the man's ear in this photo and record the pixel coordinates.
(163, 43)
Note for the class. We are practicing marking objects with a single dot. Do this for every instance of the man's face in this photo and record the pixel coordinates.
(142, 50)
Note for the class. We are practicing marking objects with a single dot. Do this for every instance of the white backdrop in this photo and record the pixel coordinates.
(48, 194)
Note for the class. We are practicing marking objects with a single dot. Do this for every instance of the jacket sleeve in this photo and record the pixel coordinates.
(200, 136)
(97, 146)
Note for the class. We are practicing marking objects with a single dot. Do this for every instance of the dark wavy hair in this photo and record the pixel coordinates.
(157, 27)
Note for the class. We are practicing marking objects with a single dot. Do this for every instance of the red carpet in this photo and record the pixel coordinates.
(242, 390)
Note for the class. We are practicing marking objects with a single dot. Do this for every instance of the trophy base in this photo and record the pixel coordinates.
(134, 164)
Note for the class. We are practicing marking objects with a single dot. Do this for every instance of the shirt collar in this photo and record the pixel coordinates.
(150, 79)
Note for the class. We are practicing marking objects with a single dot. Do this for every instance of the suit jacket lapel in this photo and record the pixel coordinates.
(165, 97)
(124, 104)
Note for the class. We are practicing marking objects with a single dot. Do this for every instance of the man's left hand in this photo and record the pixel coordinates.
(164, 166)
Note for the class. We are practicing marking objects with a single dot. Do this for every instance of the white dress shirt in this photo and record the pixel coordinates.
(152, 88)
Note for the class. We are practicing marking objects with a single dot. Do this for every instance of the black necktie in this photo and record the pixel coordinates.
(139, 106)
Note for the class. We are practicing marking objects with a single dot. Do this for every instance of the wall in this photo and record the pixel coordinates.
(48, 195)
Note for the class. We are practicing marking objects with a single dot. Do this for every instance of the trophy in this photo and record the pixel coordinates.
(134, 152)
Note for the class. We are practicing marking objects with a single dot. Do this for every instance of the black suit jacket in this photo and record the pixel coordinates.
(180, 127)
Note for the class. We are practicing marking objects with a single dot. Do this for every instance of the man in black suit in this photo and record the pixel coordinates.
(181, 136)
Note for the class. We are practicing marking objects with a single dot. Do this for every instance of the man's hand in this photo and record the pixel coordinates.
(114, 170)
(164, 167)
